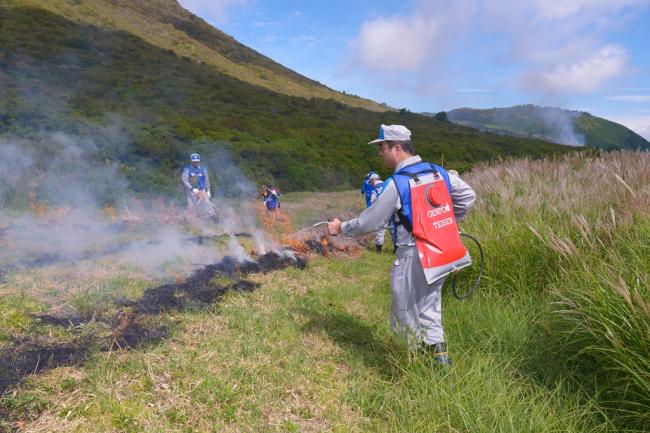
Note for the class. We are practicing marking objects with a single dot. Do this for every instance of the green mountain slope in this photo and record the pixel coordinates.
(552, 124)
(165, 24)
(62, 73)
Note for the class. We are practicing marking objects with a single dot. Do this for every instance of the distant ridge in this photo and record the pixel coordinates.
(553, 124)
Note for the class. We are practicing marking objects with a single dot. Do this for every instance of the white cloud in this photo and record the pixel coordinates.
(629, 98)
(211, 9)
(390, 45)
(554, 10)
(644, 131)
(268, 23)
(270, 39)
(547, 46)
(472, 90)
(409, 43)
(304, 40)
(585, 75)
(639, 124)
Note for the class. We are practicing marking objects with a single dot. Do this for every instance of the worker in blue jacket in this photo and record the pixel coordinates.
(196, 181)
(377, 187)
(367, 188)
(271, 199)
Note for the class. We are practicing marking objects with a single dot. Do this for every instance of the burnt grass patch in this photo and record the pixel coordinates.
(130, 326)
(26, 356)
(206, 286)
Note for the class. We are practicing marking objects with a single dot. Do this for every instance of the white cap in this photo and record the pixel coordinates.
(374, 176)
(392, 133)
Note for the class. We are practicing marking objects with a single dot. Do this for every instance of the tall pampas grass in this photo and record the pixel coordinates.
(575, 230)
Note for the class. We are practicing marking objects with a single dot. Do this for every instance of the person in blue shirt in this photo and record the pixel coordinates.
(367, 188)
(271, 199)
(377, 187)
(196, 181)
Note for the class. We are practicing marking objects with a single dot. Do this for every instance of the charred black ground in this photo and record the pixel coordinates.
(207, 285)
(131, 326)
(28, 356)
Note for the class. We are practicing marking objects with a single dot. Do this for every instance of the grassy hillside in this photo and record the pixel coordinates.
(605, 134)
(166, 25)
(552, 124)
(148, 107)
(556, 338)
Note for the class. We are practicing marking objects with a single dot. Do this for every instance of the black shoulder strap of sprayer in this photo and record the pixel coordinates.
(404, 221)
(408, 225)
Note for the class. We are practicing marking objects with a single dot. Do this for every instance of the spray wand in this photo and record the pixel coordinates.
(319, 224)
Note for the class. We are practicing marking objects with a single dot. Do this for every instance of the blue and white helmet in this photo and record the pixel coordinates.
(195, 157)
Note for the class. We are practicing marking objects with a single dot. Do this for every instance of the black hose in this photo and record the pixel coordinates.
(480, 272)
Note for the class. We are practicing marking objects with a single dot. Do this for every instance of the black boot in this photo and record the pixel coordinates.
(378, 248)
(439, 352)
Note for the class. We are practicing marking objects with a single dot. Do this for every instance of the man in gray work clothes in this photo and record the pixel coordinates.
(416, 309)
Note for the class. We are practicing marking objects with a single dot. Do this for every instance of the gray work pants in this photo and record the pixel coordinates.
(416, 311)
(379, 235)
(191, 199)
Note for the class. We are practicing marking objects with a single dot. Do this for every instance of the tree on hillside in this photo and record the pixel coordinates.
(441, 116)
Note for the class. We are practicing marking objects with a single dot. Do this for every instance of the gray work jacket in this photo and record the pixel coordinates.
(388, 203)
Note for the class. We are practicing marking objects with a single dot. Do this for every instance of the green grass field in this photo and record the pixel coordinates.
(556, 339)
(311, 351)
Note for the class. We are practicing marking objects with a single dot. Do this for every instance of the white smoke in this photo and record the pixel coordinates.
(548, 123)
(62, 203)
(234, 194)
(169, 246)
(561, 122)
(14, 164)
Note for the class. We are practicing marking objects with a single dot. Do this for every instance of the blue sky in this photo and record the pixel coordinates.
(433, 55)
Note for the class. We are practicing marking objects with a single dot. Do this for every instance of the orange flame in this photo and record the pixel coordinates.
(110, 212)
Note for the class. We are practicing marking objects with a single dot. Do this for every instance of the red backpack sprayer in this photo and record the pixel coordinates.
(435, 229)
